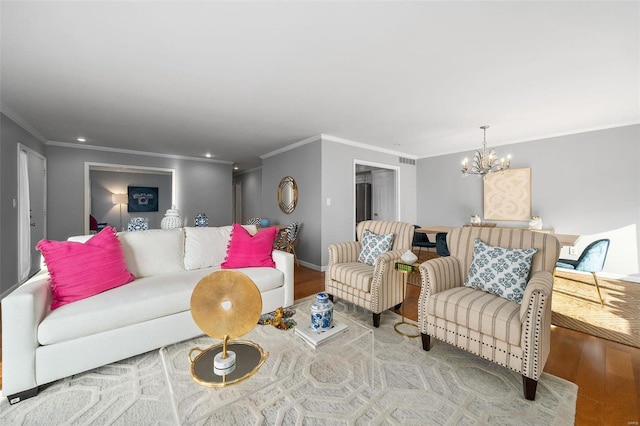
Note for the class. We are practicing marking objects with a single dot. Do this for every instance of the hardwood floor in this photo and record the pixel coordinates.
(607, 373)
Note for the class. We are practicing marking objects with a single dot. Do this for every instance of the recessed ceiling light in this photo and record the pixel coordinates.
(236, 168)
(208, 155)
(81, 139)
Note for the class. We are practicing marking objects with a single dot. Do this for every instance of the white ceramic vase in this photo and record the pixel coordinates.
(171, 219)
(409, 257)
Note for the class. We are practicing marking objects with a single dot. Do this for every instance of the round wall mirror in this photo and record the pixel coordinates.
(287, 194)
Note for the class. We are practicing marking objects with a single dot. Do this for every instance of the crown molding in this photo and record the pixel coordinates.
(323, 137)
(22, 123)
(130, 151)
(290, 147)
(254, 169)
(366, 146)
(538, 138)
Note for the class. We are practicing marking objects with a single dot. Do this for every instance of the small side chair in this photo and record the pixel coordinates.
(420, 240)
(591, 260)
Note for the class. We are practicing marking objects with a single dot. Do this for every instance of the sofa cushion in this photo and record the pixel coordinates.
(80, 270)
(207, 246)
(154, 251)
(373, 245)
(355, 274)
(479, 311)
(501, 271)
(246, 250)
(142, 300)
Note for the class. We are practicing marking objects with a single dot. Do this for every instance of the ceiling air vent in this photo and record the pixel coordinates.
(405, 160)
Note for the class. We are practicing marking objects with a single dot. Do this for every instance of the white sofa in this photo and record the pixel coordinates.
(40, 345)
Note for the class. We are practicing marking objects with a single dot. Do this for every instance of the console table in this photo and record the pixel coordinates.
(566, 240)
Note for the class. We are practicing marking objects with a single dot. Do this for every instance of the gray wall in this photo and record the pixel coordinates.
(201, 186)
(325, 169)
(106, 183)
(586, 184)
(303, 164)
(338, 183)
(251, 183)
(10, 135)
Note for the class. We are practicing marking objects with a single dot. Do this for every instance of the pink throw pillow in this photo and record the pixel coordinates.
(245, 250)
(80, 270)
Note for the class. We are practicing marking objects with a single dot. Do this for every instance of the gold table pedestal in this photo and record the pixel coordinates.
(405, 269)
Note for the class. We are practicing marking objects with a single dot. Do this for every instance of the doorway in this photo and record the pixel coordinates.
(34, 216)
(375, 191)
(123, 169)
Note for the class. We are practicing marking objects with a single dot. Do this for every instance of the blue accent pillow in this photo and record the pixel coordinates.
(501, 271)
(373, 245)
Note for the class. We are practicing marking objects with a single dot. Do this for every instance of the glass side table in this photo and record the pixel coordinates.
(405, 269)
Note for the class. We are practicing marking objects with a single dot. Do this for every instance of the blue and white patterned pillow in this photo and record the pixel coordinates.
(501, 271)
(373, 245)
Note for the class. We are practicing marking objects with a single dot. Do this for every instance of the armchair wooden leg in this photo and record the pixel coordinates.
(529, 387)
(426, 341)
(376, 320)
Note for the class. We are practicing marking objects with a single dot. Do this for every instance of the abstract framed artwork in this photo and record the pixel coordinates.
(142, 199)
(507, 195)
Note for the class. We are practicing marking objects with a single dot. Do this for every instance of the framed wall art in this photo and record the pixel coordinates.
(507, 195)
(142, 199)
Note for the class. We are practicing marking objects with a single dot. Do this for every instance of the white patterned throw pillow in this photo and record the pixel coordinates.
(501, 271)
(373, 245)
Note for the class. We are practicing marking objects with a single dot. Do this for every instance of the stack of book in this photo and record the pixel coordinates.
(315, 338)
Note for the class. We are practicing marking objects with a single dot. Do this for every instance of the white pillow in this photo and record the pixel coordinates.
(207, 246)
(153, 252)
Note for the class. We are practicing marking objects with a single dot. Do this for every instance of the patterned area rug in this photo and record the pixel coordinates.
(576, 306)
(443, 386)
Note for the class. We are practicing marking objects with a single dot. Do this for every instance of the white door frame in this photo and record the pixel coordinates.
(127, 168)
(30, 151)
(396, 169)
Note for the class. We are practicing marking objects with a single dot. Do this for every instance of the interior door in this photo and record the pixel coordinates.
(37, 166)
(384, 194)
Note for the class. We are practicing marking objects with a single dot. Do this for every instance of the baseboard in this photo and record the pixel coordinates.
(310, 265)
(635, 278)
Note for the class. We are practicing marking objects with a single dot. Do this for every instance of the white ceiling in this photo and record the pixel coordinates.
(241, 79)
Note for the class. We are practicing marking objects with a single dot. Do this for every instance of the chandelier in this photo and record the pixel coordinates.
(485, 161)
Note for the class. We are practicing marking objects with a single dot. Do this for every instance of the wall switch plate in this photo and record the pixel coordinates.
(572, 251)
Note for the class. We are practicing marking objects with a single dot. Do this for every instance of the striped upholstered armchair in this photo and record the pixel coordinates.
(375, 287)
(514, 335)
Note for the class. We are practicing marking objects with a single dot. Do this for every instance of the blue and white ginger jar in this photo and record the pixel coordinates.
(138, 224)
(202, 220)
(322, 312)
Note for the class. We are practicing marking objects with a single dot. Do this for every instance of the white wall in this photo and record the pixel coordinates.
(586, 184)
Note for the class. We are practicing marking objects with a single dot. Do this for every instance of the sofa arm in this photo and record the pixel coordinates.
(284, 262)
(440, 274)
(22, 312)
(535, 314)
(346, 252)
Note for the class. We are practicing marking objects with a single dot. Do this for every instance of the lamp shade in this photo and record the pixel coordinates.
(120, 198)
